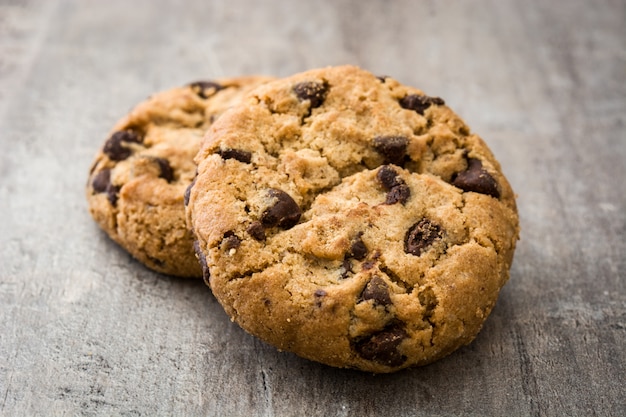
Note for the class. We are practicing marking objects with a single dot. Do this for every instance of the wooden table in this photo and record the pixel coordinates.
(86, 330)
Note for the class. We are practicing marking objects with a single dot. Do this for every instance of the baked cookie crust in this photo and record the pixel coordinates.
(137, 182)
(352, 220)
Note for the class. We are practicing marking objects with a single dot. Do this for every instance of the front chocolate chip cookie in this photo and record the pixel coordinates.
(136, 188)
(367, 236)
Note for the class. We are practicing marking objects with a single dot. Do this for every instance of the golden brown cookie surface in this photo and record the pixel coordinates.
(138, 179)
(352, 220)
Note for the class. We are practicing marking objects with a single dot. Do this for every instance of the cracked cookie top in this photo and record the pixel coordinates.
(137, 181)
(352, 220)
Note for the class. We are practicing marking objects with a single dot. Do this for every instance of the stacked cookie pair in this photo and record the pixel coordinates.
(344, 217)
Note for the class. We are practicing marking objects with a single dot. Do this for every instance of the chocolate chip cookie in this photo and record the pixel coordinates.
(137, 182)
(352, 220)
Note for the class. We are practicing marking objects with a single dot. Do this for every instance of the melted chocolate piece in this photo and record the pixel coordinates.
(420, 103)
(346, 266)
(387, 176)
(113, 147)
(230, 241)
(320, 293)
(398, 191)
(393, 148)
(313, 91)
(202, 259)
(398, 194)
(285, 213)
(476, 179)
(358, 250)
(256, 230)
(420, 236)
(101, 181)
(382, 347)
(113, 192)
(187, 194)
(238, 154)
(377, 290)
(166, 170)
(205, 89)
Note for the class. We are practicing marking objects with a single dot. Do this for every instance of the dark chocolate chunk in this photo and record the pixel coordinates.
(313, 91)
(187, 194)
(393, 148)
(476, 179)
(420, 103)
(238, 154)
(113, 192)
(205, 89)
(346, 268)
(230, 241)
(113, 147)
(358, 250)
(101, 180)
(166, 170)
(376, 290)
(256, 230)
(399, 192)
(202, 260)
(367, 265)
(285, 213)
(420, 236)
(319, 294)
(382, 347)
(387, 177)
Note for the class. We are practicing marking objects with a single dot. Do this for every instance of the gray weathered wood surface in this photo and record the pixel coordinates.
(85, 330)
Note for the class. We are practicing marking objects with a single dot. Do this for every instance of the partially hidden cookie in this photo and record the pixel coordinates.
(352, 220)
(137, 182)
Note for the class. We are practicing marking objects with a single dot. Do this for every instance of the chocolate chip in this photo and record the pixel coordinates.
(420, 103)
(313, 91)
(101, 180)
(399, 192)
(420, 236)
(320, 293)
(230, 241)
(202, 260)
(256, 230)
(166, 170)
(393, 148)
(376, 290)
(238, 154)
(367, 265)
(187, 194)
(285, 213)
(113, 147)
(203, 88)
(346, 268)
(113, 192)
(476, 179)
(387, 177)
(101, 183)
(358, 250)
(382, 347)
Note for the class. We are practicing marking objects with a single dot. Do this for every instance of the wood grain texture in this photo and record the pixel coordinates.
(85, 330)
